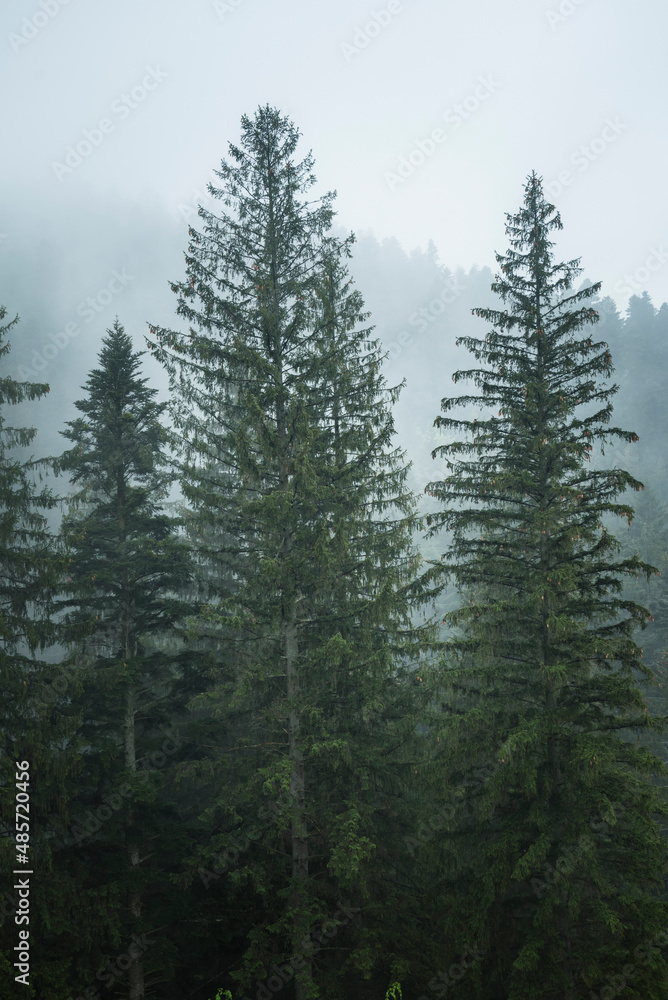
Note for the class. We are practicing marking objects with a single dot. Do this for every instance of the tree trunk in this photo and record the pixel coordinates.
(136, 969)
(298, 832)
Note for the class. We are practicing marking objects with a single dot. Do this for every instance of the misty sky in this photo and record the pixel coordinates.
(552, 85)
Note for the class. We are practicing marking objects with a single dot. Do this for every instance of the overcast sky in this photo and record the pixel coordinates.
(425, 116)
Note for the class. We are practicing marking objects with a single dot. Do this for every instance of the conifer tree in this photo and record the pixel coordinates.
(126, 571)
(36, 734)
(286, 438)
(555, 861)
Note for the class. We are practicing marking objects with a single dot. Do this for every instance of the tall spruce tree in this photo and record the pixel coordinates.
(555, 862)
(286, 432)
(126, 570)
(36, 732)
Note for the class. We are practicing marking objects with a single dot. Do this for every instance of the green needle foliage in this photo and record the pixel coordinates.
(285, 429)
(555, 862)
(33, 728)
(126, 570)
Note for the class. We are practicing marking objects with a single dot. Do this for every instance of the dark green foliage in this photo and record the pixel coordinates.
(290, 472)
(32, 727)
(28, 569)
(121, 599)
(253, 756)
(544, 671)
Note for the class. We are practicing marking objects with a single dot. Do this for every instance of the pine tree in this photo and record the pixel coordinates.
(126, 571)
(36, 730)
(558, 856)
(286, 440)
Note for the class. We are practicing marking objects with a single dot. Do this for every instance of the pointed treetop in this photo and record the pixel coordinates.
(118, 367)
